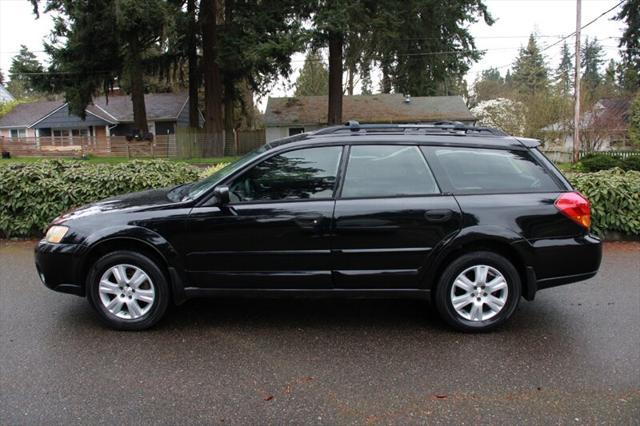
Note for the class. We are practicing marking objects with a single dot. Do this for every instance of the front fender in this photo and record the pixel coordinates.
(139, 234)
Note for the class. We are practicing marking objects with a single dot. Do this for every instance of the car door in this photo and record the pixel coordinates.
(389, 215)
(275, 231)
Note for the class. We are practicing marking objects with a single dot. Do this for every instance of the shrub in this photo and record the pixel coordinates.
(211, 170)
(33, 194)
(631, 163)
(597, 162)
(615, 199)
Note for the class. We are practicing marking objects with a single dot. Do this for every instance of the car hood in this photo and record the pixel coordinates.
(134, 201)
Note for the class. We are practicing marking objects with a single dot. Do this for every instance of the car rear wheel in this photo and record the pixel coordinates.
(128, 290)
(478, 292)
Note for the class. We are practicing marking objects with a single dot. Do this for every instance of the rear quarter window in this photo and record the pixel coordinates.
(477, 171)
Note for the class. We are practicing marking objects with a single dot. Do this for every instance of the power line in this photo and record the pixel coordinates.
(583, 27)
(570, 35)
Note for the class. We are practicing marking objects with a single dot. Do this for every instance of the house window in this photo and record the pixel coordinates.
(18, 133)
(65, 133)
(295, 130)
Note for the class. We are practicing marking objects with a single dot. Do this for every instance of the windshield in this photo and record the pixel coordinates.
(200, 187)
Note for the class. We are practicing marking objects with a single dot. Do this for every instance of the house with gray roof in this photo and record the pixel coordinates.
(5, 96)
(112, 116)
(289, 116)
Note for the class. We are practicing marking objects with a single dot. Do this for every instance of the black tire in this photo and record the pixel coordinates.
(160, 284)
(443, 301)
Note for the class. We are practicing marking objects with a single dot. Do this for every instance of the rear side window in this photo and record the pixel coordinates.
(471, 170)
(387, 171)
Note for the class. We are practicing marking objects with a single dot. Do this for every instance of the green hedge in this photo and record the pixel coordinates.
(615, 199)
(32, 194)
(597, 162)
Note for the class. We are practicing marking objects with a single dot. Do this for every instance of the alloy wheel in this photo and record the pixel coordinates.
(126, 291)
(479, 293)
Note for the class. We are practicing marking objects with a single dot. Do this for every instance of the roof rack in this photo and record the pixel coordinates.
(450, 127)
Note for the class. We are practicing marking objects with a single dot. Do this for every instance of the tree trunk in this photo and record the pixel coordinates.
(229, 136)
(214, 145)
(229, 143)
(194, 78)
(335, 79)
(134, 67)
(386, 78)
(350, 81)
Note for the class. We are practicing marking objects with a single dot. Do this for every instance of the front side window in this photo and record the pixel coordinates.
(492, 170)
(387, 171)
(296, 175)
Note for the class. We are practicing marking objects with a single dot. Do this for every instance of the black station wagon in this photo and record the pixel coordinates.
(467, 217)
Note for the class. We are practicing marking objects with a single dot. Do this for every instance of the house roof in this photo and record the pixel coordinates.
(614, 107)
(159, 106)
(115, 109)
(5, 95)
(24, 115)
(606, 110)
(382, 108)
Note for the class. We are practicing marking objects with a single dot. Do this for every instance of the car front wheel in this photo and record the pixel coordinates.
(478, 292)
(128, 290)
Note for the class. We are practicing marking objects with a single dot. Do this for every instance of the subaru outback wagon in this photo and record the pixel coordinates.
(467, 217)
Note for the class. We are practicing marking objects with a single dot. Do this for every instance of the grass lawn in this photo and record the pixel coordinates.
(113, 160)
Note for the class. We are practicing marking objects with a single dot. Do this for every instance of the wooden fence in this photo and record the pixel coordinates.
(191, 143)
(113, 146)
(181, 145)
(567, 156)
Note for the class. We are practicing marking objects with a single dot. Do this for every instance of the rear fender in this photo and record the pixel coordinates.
(493, 238)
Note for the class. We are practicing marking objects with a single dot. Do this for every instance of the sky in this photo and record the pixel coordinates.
(515, 20)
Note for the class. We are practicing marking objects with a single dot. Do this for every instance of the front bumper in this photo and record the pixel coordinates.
(58, 266)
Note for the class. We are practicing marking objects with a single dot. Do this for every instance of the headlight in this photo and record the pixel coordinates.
(56, 233)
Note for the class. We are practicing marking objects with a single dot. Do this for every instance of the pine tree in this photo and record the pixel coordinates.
(592, 60)
(314, 76)
(634, 121)
(99, 42)
(564, 72)
(530, 74)
(630, 45)
(24, 73)
(427, 44)
(610, 86)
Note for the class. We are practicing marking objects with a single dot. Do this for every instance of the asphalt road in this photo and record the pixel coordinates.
(572, 356)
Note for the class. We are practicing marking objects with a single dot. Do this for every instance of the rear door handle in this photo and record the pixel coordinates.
(438, 215)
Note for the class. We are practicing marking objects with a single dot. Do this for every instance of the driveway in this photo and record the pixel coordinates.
(572, 356)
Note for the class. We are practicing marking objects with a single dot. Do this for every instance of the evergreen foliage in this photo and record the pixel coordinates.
(630, 44)
(591, 61)
(314, 76)
(530, 73)
(564, 72)
(25, 70)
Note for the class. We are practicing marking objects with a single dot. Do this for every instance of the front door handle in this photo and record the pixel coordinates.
(438, 215)
(311, 223)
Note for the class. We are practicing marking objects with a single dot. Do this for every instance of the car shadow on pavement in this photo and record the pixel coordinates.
(298, 312)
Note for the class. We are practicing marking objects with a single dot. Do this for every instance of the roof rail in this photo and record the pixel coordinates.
(440, 126)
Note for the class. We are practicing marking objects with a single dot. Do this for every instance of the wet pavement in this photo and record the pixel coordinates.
(572, 356)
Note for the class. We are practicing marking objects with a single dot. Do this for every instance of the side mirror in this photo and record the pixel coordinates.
(222, 195)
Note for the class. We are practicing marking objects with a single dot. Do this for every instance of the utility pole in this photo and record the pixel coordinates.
(576, 112)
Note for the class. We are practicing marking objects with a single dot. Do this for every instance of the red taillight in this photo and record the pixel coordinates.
(575, 207)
